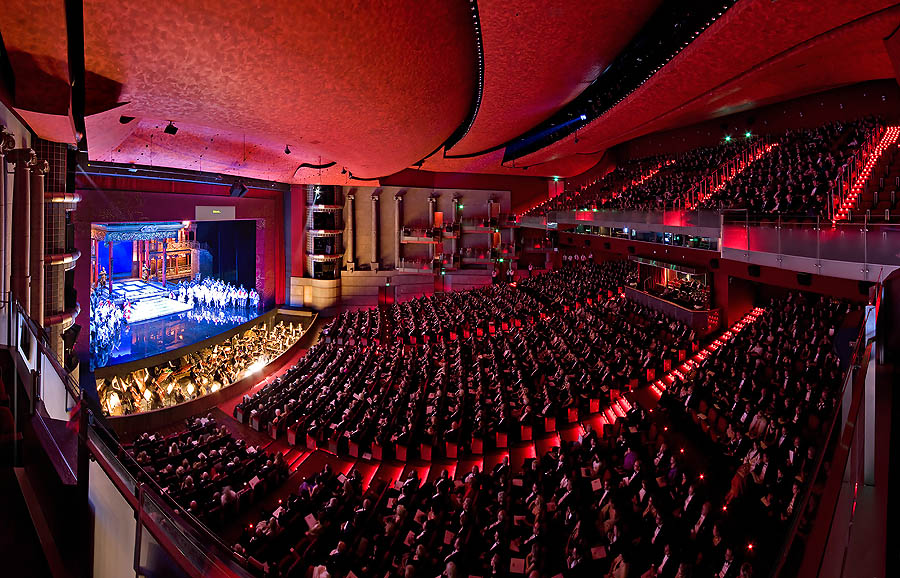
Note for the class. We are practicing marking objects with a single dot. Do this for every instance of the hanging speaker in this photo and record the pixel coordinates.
(804, 279)
(753, 270)
(631, 249)
(607, 245)
(713, 263)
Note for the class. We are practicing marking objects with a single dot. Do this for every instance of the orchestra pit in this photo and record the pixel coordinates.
(449, 288)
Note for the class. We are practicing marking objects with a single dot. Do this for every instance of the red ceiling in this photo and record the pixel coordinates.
(376, 86)
(538, 56)
(759, 52)
(372, 85)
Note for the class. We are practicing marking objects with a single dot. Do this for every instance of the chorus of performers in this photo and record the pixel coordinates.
(107, 321)
(196, 374)
(214, 294)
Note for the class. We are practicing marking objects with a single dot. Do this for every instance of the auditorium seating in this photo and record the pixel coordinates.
(592, 506)
(797, 176)
(628, 500)
(205, 470)
(671, 186)
(459, 372)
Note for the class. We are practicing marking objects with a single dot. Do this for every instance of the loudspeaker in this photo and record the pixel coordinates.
(238, 189)
(753, 270)
(631, 249)
(713, 263)
(804, 279)
(587, 242)
(607, 245)
(864, 287)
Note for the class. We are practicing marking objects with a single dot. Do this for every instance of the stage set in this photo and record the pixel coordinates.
(157, 287)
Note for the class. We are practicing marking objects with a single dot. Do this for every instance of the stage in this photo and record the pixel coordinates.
(157, 324)
(149, 300)
(144, 339)
(162, 286)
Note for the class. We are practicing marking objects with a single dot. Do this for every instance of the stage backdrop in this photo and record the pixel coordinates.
(228, 251)
(122, 199)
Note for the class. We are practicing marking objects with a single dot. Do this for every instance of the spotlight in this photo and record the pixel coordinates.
(287, 150)
(583, 117)
(748, 134)
(238, 189)
(727, 138)
(170, 128)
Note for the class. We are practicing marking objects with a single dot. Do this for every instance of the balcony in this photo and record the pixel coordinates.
(863, 251)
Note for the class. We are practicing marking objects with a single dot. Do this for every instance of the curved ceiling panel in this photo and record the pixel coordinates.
(34, 33)
(719, 64)
(491, 163)
(373, 86)
(540, 56)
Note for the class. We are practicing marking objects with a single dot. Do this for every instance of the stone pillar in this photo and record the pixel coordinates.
(398, 225)
(351, 233)
(432, 202)
(457, 214)
(375, 197)
(490, 208)
(36, 256)
(7, 143)
(21, 227)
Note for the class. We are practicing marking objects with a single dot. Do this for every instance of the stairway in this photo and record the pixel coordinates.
(882, 191)
(876, 192)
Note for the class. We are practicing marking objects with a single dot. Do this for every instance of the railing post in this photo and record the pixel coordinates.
(818, 246)
(779, 238)
(35, 381)
(138, 529)
(865, 232)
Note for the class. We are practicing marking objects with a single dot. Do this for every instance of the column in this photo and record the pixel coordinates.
(93, 262)
(109, 265)
(165, 258)
(398, 224)
(375, 197)
(21, 228)
(36, 257)
(490, 209)
(351, 233)
(7, 143)
(432, 201)
(457, 215)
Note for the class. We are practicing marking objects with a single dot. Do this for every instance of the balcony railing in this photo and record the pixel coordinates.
(52, 393)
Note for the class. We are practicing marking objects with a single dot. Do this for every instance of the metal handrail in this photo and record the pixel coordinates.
(123, 457)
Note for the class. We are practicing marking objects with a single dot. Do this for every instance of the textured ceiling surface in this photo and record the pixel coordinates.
(369, 84)
(540, 55)
(759, 52)
(34, 34)
(376, 86)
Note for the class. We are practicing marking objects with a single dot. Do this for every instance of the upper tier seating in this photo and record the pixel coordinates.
(797, 176)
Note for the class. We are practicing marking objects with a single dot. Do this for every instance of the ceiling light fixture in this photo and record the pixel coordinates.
(287, 149)
(170, 128)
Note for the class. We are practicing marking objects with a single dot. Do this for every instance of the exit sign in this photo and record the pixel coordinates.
(205, 213)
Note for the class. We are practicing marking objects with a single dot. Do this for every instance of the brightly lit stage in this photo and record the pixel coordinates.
(139, 266)
(149, 300)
